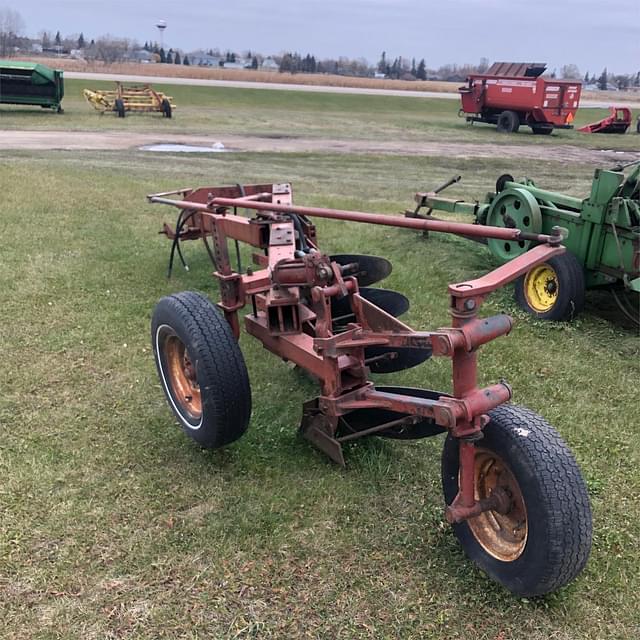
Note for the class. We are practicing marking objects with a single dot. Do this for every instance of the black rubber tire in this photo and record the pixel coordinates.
(542, 130)
(571, 290)
(508, 122)
(220, 369)
(118, 107)
(166, 108)
(559, 521)
(638, 125)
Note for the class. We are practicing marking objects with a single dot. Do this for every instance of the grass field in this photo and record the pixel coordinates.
(219, 111)
(114, 525)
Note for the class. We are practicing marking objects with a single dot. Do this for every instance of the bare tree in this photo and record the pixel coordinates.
(11, 24)
(570, 72)
(110, 49)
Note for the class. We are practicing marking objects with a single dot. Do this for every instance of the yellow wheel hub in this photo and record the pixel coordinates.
(541, 288)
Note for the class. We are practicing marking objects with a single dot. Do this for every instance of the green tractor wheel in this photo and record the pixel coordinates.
(516, 209)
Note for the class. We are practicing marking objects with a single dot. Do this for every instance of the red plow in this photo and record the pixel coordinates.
(618, 121)
(513, 492)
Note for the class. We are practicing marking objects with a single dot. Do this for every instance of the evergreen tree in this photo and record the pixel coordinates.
(81, 43)
(421, 71)
(394, 72)
(163, 56)
(169, 58)
(414, 71)
(58, 39)
(254, 62)
(176, 58)
(602, 80)
(382, 65)
(586, 78)
(186, 61)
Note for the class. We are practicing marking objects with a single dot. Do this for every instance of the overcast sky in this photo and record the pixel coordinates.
(590, 33)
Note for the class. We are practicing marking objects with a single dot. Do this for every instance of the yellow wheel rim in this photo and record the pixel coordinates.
(541, 288)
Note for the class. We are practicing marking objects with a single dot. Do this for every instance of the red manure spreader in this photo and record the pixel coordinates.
(511, 94)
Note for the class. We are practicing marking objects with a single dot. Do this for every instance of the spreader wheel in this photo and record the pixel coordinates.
(542, 129)
(543, 539)
(553, 290)
(508, 122)
(201, 368)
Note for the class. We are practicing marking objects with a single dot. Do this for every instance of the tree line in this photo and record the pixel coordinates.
(111, 49)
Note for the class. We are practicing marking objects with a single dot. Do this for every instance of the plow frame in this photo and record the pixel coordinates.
(290, 293)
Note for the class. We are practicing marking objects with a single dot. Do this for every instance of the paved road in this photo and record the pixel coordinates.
(295, 87)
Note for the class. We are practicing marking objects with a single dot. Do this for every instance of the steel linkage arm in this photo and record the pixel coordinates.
(458, 228)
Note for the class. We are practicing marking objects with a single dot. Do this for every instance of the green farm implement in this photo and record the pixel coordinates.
(602, 238)
(29, 83)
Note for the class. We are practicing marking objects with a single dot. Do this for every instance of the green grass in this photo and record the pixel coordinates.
(115, 525)
(214, 111)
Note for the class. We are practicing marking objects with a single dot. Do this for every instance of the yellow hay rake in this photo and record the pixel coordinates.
(137, 97)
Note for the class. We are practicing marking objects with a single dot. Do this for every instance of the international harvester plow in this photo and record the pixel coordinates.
(513, 491)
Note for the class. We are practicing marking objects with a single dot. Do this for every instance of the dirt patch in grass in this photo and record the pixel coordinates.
(112, 140)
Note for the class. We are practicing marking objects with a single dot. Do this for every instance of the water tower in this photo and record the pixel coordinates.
(161, 25)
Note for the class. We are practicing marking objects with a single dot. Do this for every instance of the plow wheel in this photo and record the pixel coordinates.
(553, 290)
(515, 209)
(542, 539)
(201, 368)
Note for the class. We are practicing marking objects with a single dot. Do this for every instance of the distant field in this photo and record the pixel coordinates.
(116, 526)
(325, 79)
(212, 73)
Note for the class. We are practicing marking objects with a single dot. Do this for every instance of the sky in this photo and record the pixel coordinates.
(592, 34)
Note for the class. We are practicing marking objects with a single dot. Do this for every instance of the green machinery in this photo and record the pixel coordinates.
(31, 83)
(601, 233)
